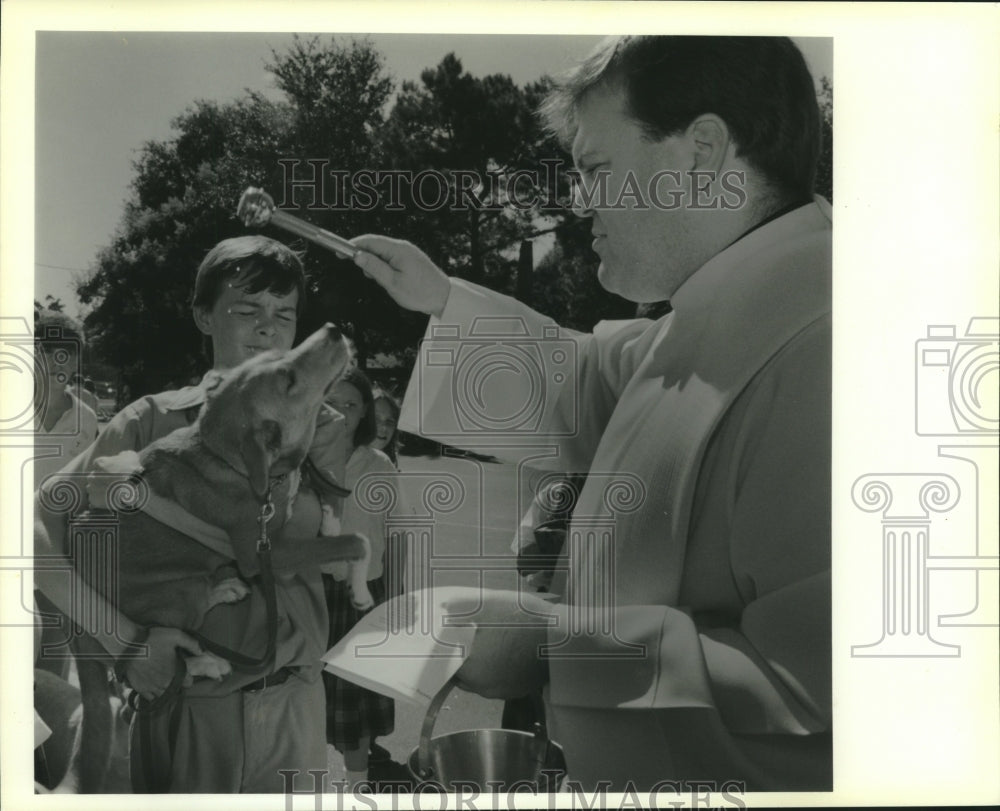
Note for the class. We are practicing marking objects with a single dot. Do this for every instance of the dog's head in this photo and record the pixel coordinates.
(261, 416)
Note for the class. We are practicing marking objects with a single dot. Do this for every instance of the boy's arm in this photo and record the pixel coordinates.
(58, 579)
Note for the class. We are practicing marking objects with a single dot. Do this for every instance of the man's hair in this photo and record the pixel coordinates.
(253, 262)
(365, 432)
(760, 86)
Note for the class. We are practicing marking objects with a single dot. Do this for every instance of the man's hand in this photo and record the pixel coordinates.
(406, 273)
(505, 658)
(151, 675)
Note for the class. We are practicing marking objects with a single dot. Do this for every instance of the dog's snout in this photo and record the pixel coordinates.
(332, 331)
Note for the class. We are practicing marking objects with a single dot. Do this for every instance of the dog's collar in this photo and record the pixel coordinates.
(272, 482)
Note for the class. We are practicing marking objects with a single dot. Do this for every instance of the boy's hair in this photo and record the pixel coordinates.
(253, 262)
(390, 450)
(365, 432)
(260, 263)
(760, 86)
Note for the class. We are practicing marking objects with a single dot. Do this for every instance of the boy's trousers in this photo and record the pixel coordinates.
(237, 743)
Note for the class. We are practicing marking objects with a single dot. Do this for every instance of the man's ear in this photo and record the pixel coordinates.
(259, 448)
(710, 140)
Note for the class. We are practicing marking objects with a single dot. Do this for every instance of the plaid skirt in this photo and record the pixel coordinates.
(352, 712)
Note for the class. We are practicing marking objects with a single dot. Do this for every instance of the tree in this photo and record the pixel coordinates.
(184, 194)
(471, 131)
(824, 171)
(337, 95)
(51, 303)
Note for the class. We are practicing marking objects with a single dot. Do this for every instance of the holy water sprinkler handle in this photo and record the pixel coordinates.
(256, 208)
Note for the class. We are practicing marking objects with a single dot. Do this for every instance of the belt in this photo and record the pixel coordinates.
(271, 680)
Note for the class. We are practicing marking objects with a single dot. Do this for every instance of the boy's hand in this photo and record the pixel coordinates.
(151, 675)
(406, 273)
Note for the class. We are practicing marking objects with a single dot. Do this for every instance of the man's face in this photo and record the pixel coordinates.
(243, 324)
(646, 249)
(59, 362)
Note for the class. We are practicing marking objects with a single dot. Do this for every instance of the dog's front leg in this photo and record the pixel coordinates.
(228, 591)
(206, 665)
(355, 571)
(227, 587)
(307, 553)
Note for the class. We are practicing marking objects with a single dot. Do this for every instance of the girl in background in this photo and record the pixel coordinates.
(386, 422)
(386, 440)
(355, 716)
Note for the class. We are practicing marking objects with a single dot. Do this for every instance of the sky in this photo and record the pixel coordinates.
(99, 96)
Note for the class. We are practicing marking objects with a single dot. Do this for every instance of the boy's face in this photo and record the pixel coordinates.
(243, 324)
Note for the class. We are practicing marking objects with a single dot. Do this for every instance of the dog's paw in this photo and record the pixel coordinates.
(338, 570)
(208, 665)
(329, 524)
(230, 590)
(363, 600)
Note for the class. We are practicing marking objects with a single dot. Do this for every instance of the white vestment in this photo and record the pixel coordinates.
(697, 640)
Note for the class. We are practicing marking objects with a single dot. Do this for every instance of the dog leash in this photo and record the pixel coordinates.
(244, 663)
(145, 708)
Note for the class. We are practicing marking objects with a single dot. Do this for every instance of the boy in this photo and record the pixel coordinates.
(233, 735)
(64, 426)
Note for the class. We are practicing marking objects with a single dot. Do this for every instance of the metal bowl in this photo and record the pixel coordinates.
(492, 760)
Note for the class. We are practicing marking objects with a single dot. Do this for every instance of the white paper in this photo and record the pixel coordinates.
(403, 648)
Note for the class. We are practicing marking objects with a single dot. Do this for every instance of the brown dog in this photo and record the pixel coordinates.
(246, 447)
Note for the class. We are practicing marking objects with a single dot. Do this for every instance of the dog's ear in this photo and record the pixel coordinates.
(260, 447)
(212, 380)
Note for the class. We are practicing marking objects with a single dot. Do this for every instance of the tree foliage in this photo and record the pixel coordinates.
(824, 169)
(184, 196)
(470, 130)
(51, 303)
